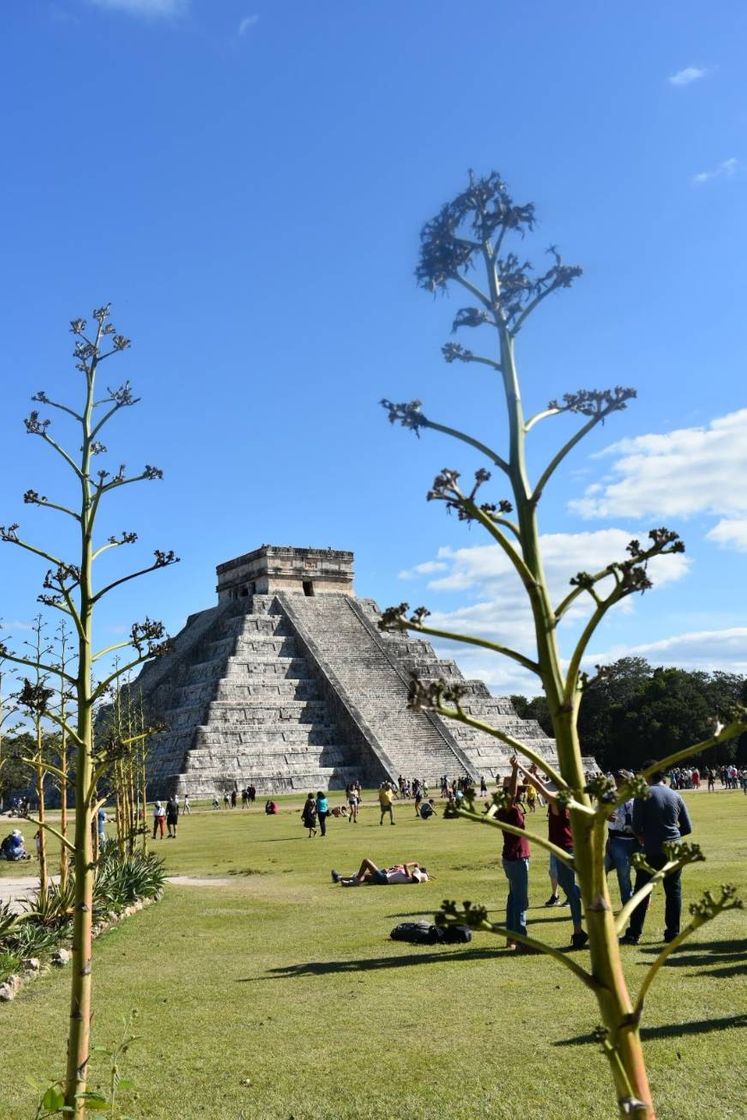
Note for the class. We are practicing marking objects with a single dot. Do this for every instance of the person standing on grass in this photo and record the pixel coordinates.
(308, 815)
(386, 802)
(159, 816)
(172, 816)
(353, 803)
(658, 819)
(621, 841)
(185, 806)
(515, 857)
(322, 811)
(561, 835)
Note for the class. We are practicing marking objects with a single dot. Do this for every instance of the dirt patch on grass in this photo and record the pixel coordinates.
(192, 881)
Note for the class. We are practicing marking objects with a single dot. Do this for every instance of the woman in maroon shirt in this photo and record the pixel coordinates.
(515, 863)
(560, 834)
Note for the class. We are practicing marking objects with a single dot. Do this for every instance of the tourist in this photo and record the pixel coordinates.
(515, 858)
(308, 815)
(322, 811)
(271, 808)
(159, 816)
(561, 835)
(386, 802)
(12, 847)
(185, 805)
(172, 816)
(658, 819)
(369, 873)
(428, 809)
(353, 803)
(621, 841)
(233, 799)
(483, 786)
(226, 800)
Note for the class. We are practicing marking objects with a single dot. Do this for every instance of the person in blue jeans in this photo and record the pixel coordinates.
(658, 819)
(621, 842)
(561, 835)
(516, 854)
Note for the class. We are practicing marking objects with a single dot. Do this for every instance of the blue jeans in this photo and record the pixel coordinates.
(567, 881)
(618, 856)
(517, 903)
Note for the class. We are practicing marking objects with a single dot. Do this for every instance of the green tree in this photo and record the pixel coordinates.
(536, 708)
(604, 701)
(468, 245)
(70, 587)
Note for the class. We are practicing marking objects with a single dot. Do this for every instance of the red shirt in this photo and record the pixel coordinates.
(514, 847)
(559, 829)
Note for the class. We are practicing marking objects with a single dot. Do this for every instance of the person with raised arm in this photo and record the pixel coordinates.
(560, 834)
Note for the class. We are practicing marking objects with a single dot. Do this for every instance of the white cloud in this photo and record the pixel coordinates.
(496, 606)
(676, 474)
(247, 23)
(730, 533)
(700, 649)
(146, 8)
(686, 76)
(724, 169)
(423, 569)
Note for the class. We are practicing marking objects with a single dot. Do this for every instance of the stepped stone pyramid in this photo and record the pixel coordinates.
(288, 684)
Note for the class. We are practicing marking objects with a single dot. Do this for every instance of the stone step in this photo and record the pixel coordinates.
(236, 736)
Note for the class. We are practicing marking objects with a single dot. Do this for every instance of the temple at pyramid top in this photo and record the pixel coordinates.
(271, 568)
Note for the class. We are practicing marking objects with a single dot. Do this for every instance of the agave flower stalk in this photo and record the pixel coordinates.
(467, 245)
(71, 588)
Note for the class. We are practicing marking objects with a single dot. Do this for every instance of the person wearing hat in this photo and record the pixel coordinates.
(12, 847)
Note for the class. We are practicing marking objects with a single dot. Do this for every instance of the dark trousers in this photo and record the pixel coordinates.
(672, 899)
(322, 818)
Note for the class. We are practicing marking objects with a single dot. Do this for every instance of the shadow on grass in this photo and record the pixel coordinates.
(326, 968)
(671, 1030)
(700, 955)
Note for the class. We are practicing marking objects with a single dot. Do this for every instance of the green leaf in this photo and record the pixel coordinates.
(95, 1102)
(53, 1099)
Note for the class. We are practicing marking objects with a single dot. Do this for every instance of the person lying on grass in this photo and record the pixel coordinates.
(372, 875)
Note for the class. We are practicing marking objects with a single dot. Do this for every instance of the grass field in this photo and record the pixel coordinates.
(277, 994)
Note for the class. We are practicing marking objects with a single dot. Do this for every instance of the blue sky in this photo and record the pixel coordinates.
(245, 182)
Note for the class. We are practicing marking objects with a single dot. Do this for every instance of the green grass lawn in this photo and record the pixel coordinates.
(280, 995)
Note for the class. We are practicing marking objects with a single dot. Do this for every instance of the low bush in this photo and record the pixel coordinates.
(47, 916)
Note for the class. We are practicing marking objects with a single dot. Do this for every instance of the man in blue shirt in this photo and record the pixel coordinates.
(658, 819)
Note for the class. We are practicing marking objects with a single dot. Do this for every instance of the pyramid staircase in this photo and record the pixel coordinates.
(289, 693)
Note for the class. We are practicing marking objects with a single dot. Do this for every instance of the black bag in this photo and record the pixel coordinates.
(456, 935)
(418, 933)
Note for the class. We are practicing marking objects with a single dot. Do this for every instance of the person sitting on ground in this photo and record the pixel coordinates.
(369, 873)
(12, 847)
(271, 807)
(427, 809)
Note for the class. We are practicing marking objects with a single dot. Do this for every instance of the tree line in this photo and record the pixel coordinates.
(632, 711)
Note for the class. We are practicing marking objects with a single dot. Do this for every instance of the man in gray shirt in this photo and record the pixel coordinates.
(658, 819)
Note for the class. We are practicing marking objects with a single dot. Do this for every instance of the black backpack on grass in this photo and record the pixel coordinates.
(417, 933)
(425, 933)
